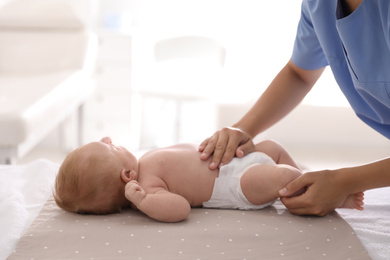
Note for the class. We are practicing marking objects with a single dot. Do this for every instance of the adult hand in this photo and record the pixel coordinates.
(224, 145)
(324, 193)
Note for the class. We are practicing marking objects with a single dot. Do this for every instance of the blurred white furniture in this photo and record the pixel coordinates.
(181, 70)
(46, 59)
(109, 110)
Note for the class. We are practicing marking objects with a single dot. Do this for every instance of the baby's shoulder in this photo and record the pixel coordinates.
(166, 152)
(152, 182)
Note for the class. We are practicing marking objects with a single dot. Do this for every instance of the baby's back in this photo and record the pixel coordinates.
(180, 169)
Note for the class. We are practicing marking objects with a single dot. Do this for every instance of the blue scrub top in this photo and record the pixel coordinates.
(357, 48)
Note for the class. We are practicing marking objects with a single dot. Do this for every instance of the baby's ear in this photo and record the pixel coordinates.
(128, 175)
(125, 175)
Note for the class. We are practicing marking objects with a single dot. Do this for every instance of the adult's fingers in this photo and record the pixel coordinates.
(203, 144)
(323, 194)
(296, 185)
(301, 205)
(238, 144)
(207, 147)
(245, 148)
(215, 146)
(219, 149)
(223, 146)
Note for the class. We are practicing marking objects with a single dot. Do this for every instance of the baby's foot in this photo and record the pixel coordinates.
(354, 201)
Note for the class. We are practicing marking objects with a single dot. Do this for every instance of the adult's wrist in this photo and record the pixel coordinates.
(351, 179)
(244, 130)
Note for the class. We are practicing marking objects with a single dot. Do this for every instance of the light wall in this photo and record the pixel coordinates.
(319, 136)
(258, 36)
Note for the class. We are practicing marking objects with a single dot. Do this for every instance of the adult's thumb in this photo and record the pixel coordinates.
(244, 149)
(295, 187)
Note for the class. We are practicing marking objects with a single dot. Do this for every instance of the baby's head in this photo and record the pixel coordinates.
(92, 179)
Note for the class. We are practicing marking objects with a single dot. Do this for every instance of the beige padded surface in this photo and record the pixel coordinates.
(271, 233)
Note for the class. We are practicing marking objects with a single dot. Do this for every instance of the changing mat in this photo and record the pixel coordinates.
(270, 233)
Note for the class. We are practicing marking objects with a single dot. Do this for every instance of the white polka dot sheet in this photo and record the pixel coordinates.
(270, 233)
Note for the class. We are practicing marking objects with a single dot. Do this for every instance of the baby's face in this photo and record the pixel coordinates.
(111, 153)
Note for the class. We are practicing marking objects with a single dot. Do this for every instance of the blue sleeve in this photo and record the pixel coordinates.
(307, 52)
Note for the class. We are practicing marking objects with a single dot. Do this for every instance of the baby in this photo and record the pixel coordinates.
(101, 178)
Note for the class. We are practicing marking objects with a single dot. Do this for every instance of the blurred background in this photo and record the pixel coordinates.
(178, 70)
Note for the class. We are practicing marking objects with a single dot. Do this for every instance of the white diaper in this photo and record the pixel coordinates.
(227, 192)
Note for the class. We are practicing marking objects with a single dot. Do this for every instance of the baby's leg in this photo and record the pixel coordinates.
(261, 183)
(276, 152)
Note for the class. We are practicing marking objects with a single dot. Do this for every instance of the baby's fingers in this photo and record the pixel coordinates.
(132, 187)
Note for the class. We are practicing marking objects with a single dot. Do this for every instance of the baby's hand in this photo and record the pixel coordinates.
(134, 192)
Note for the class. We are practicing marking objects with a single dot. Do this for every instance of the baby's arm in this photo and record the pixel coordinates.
(276, 152)
(161, 205)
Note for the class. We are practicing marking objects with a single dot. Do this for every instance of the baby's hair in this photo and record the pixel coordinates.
(71, 196)
(67, 183)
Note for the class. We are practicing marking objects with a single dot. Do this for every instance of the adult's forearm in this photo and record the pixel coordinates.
(365, 177)
(284, 93)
